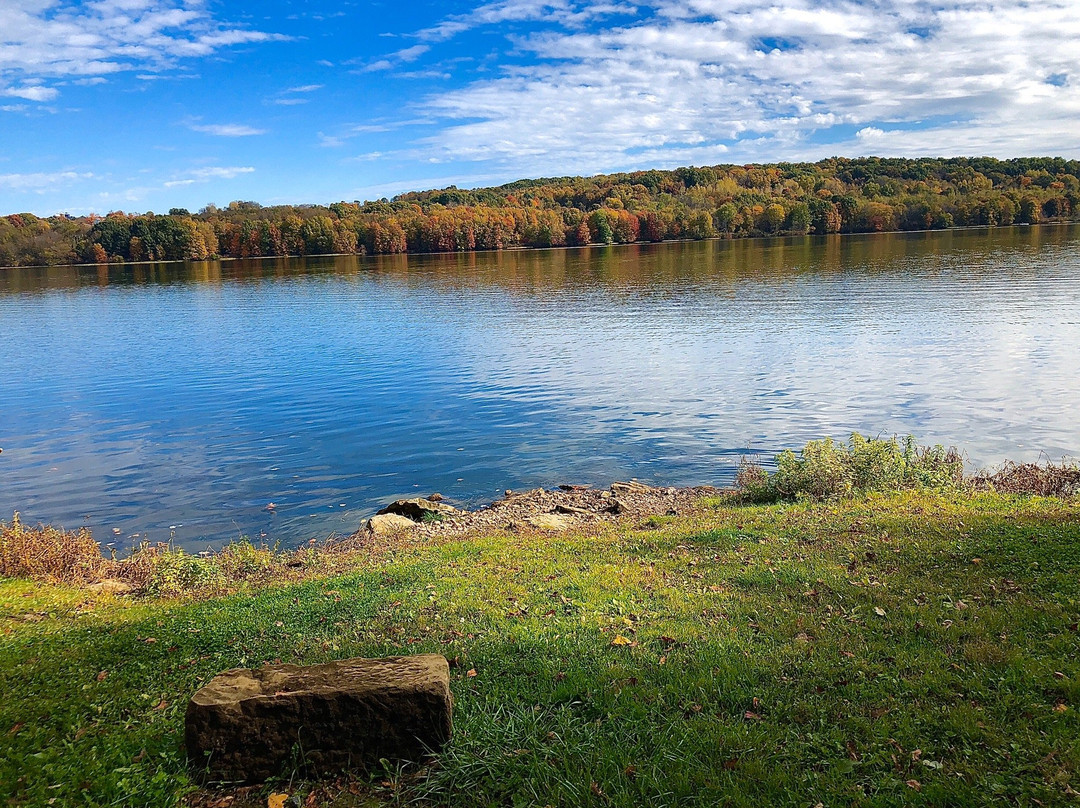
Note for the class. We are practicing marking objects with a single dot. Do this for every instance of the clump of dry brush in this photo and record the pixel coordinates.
(1046, 480)
(45, 553)
(51, 554)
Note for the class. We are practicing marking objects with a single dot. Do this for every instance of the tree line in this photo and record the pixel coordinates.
(838, 195)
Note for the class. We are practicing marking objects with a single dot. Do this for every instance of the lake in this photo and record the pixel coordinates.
(179, 400)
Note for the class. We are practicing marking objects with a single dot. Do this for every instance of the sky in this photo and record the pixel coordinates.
(146, 105)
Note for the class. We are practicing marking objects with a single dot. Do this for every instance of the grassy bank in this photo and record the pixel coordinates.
(911, 648)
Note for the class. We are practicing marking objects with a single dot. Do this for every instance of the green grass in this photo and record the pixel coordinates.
(909, 649)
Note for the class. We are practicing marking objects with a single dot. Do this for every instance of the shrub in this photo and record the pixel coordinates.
(48, 553)
(176, 573)
(1031, 479)
(826, 468)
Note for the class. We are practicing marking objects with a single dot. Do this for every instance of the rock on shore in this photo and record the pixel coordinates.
(248, 725)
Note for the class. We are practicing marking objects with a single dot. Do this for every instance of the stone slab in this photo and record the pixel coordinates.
(251, 724)
(419, 508)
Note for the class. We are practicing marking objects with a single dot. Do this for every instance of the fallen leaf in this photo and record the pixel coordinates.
(15, 729)
(879, 611)
(915, 784)
(751, 716)
(102, 675)
(276, 800)
(472, 673)
(621, 640)
(161, 705)
(1060, 708)
(150, 640)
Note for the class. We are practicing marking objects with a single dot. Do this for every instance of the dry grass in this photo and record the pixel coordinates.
(1049, 480)
(50, 554)
(74, 558)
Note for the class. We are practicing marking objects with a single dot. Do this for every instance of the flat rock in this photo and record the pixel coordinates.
(112, 586)
(419, 508)
(382, 524)
(632, 487)
(250, 725)
(549, 521)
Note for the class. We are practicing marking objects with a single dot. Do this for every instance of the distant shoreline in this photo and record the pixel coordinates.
(697, 203)
(564, 247)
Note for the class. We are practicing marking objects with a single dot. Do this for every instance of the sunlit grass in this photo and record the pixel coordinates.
(913, 648)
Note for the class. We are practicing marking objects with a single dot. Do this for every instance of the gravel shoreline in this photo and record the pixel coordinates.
(557, 509)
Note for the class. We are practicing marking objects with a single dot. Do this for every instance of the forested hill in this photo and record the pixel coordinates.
(833, 196)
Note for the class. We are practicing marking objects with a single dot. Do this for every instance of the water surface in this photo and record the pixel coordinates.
(182, 399)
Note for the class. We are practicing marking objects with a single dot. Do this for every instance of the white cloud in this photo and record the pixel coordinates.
(294, 96)
(32, 92)
(403, 56)
(56, 39)
(199, 175)
(740, 80)
(228, 129)
(40, 182)
(563, 12)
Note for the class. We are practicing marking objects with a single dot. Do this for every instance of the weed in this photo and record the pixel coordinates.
(825, 468)
(48, 553)
(1049, 480)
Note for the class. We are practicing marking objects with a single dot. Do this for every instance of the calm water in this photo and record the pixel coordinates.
(185, 398)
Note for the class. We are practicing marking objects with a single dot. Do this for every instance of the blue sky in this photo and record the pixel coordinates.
(150, 104)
